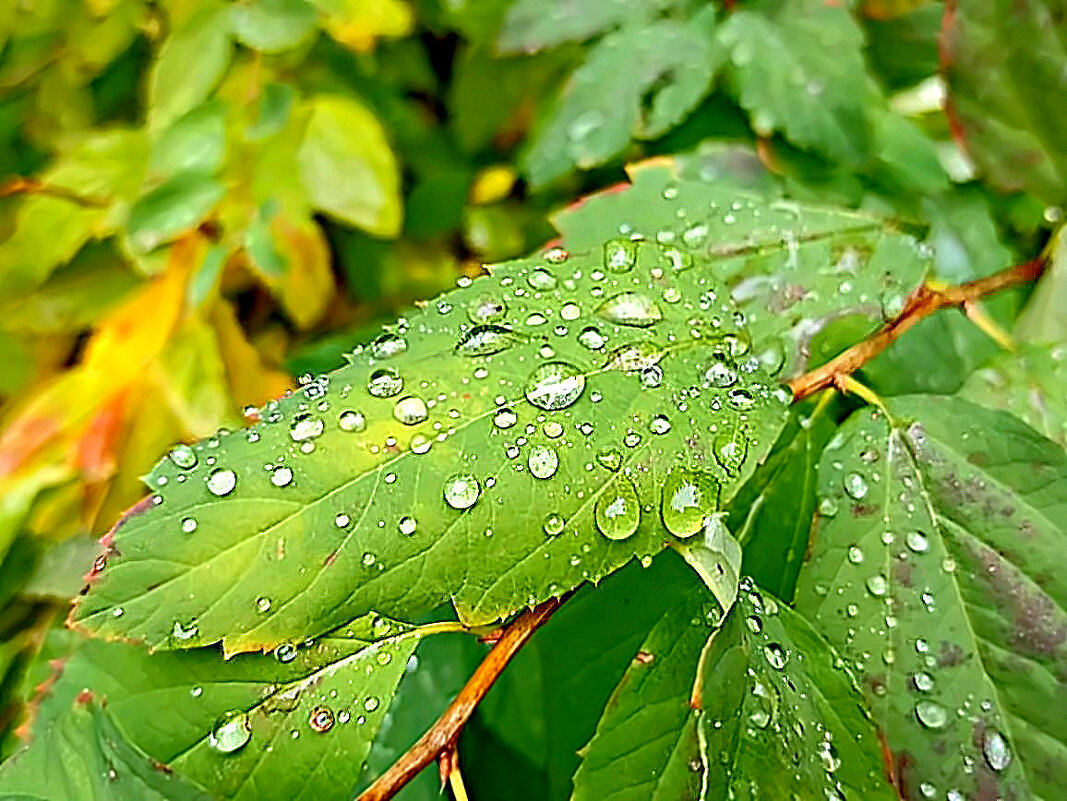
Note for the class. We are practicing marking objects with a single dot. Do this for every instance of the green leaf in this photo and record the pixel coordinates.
(347, 166)
(171, 209)
(194, 143)
(1003, 60)
(792, 268)
(504, 444)
(1028, 383)
(636, 83)
(772, 512)
(272, 26)
(1043, 320)
(190, 64)
(646, 744)
(781, 717)
(716, 558)
(532, 25)
(300, 721)
(798, 68)
(935, 570)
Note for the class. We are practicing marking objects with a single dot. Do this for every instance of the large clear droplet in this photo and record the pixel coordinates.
(281, 476)
(553, 525)
(461, 491)
(554, 385)
(385, 383)
(730, 450)
(486, 309)
(221, 482)
(231, 732)
(407, 525)
(620, 255)
(634, 358)
(388, 345)
(305, 427)
(775, 655)
(543, 461)
(877, 585)
(659, 424)
(630, 308)
(541, 279)
(931, 714)
(352, 421)
(184, 457)
(591, 338)
(617, 511)
(856, 486)
(485, 340)
(720, 375)
(689, 496)
(410, 410)
(917, 541)
(996, 750)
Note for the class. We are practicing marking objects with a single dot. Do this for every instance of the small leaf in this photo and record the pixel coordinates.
(358, 24)
(1003, 60)
(636, 83)
(171, 209)
(1043, 320)
(273, 26)
(939, 541)
(348, 168)
(717, 560)
(194, 143)
(190, 64)
(532, 25)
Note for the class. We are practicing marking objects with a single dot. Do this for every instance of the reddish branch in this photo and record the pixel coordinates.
(439, 743)
(923, 302)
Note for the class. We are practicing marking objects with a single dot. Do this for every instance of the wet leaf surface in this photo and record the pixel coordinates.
(939, 546)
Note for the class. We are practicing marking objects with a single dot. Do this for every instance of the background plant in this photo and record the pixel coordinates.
(205, 199)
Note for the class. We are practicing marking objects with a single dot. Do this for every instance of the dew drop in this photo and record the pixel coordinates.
(553, 525)
(541, 279)
(505, 418)
(720, 375)
(543, 461)
(183, 456)
(617, 511)
(285, 653)
(385, 383)
(486, 309)
(917, 541)
(620, 255)
(591, 338)
(570, 311)
(855, 554)
(352, 421)
(461, 491)
(659, 424)
(554, 385)
(924, 682)
(609, 460)
(877, 585)
(996, 750)
(410, 410)
(420, 444)
(231, 732)
(630, 308)
(689, 497)
(407, 525)
(305, 427)
(281, 476)
(370, 704)
(263, 605)
(321, 719)
(189, 524)
(931, 714)
(387, 346)
(856, 486)
(776, 655)
(485, 340)
(221, 482)
(730, 451)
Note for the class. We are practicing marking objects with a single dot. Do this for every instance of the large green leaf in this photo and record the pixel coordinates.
(792, 268)
(516, 437)
(299, 722)
(797, 67)
(760, 710)
(531, 25)
(637, 82)
(1028, 383)
(1043, 320)
(1003, 60)
(936, 571)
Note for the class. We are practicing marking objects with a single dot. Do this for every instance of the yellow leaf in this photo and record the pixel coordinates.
(357, 24)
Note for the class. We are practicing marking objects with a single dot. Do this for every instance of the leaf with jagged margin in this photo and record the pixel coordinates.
(797, 66)
(1003, 60)
(1030, 383)
(792, 268)
(936, 571)
(637, 83)
(533, 25)
(454, 460)
(300, 722)
(761, 709)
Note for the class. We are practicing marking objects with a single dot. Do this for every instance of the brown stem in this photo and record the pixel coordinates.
(442, 737)
(32, 186)
(923, 302)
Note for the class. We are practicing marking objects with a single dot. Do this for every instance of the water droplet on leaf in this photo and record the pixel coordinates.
(461, 491)
(630, 308)
(183, 456)
(543, 461)
(617, 511)
(221, 482)
(385, 383)
(410, 410)
(689, 496)
(231, 732)
(554, 385)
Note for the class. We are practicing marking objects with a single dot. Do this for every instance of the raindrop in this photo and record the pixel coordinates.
(652, 377)
(996, 750)
(321, 719)
(617, 511)
(370, 704)
(659, 424)
(485, 340)
(189, 524)
(281, 476)
(221, 482)
(689, 497)
(721, 375)
(740, 398)
(917, 541)
(505, 418)
(924, 682)
(407, 525)
(591, 338)
(570, 311)
(410, 410)
(856, 486)
(554, 385)
(184, 457)
(420, 444)
(388, 345)
(755, 625)
(827, 506)
(543, 461)
(385, 383)
(286, 652)
(730, 451)
(877, 585)
(461, 491)
(352, 421)
(342, 520)
(263, 605)
(369, 559)
(634, 358)
(630, 308)
(486, 309)
(541, 279)
(553, 429)
(620, 255)
(776, 655)
(553, 525)
(231, 732)
(305, 427)
(610, 460)
(855, 554)
(931, 714)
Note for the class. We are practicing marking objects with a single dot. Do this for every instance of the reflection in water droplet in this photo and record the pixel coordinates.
(856, 486)
(231, 732)
(996, 750)
(543, 461)
(388, 345)
(630, 308)
(541, 279)
(485, 340)
(410, 410)
(924, 682)
(281, 476)
(505, 418)
(659, 424)
(183, 456)
(740, 398)
(305, 427)
(420, 444)
(180, 632)
(570, 311)
(385, 383)
(855, 554)
(461, 491)
(407, 525)
(689, 496)
(776, 655)
(189, 524)
(827, 506)
(652, 377)
(554, 385)
(553, 525)
(617, 511)
(352, 421)
(486, 309)
(321, 719)
(591, 338)
(730, 450)
(917, 541)
(263, 604)
(221, 482)
(931, 714)
(285, 653)
(620, 255)
(610, 460)
(877, 585)
(721, 375)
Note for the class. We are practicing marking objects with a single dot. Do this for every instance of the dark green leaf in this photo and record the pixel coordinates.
(636, 83)
(1003, 60)
(171, 209)
(531, 25)
(935, 570)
